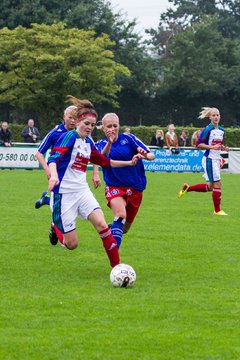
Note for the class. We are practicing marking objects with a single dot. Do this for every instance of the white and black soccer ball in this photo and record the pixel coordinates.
(123, 275)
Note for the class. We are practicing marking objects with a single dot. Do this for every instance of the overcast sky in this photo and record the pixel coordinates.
(147, 12)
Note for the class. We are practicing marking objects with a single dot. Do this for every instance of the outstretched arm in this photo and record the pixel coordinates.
(147, 155)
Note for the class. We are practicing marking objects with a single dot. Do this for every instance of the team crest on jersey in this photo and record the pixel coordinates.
(124, 142)
(128, 192)
(115, 191)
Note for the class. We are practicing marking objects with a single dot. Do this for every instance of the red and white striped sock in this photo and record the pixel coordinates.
(110, 246)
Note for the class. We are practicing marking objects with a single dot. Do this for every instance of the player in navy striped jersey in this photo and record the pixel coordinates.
(124, 186)
(211, 139)
(72, 196)
(48, 142)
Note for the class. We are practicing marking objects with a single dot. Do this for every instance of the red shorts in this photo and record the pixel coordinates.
(132, 197)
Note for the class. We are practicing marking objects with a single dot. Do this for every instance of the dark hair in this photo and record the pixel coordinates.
(83, 106)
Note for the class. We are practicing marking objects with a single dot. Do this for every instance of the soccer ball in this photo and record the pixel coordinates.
(123, 275)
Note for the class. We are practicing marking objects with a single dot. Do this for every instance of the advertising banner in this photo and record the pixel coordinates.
(166, 161)
(18, 157)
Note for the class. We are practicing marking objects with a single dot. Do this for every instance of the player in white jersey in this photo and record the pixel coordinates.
(211, 140)
(71, 196)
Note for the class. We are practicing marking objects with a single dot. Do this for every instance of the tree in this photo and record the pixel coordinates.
(198, 45)
(98, 16)
(41, 65)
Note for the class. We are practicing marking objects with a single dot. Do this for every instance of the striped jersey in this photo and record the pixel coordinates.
(71, 154)
(212, 136)
(51, 138)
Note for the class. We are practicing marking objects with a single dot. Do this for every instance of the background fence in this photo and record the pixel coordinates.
(22, 156)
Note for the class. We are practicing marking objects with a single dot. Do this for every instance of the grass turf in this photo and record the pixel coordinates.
(59, 304)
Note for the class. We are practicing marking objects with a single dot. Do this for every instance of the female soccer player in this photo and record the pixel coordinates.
(211, 140)
(124, 186)
(72, 196)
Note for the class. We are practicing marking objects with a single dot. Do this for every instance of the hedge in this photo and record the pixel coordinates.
(145, 133)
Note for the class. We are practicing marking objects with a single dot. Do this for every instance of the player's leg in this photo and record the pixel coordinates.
(118, 207)
(133, 205)
(71, 240)
(55, 234)
(212, 174)
(98, 221)
(202, 187)
(44, 200)
(64, 215)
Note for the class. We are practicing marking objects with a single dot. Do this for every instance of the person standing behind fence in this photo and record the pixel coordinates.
(158, 139)
(171, 137)
(5, 135)
(184, 139)
(211, 140)
(195, 137)
(30, 133)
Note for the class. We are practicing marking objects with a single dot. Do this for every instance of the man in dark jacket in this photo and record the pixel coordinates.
(30, 133)
(5, 135)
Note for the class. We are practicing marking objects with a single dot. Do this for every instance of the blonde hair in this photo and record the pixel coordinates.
(110, 115)
(69, 109)
(205, 112)
(171, 126)
(83, 106)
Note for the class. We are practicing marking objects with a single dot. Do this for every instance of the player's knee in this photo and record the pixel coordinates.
(71, 244)
(100, 224)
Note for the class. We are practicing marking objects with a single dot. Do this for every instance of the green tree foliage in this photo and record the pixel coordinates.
(99, 16)
(39, 66)
(198, 43)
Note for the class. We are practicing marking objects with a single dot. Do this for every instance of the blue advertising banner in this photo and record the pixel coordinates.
(166, 161)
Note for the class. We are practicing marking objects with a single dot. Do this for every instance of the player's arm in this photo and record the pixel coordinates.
(110, 136)
(99, 159)
(53, 180)
(43, 163)
(147, 155)
(96, 178)
(225, 148)
(202, 146)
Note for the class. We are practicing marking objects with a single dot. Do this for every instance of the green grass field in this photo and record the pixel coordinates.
(59, 304)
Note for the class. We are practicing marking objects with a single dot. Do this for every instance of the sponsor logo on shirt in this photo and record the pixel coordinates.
(115, 191)
(128, 192)
(80, 163)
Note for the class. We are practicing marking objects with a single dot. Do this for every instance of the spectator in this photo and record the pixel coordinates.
(30, 133)
(195, 137)
(171, 137)
(184, 139)
(5, 135)
(158, 139)
(127, 130)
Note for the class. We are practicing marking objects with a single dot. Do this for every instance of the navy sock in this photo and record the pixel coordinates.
(47, 200)
(117, 229)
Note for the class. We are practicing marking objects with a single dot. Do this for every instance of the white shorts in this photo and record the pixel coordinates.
(211, 169)
(66, 208)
